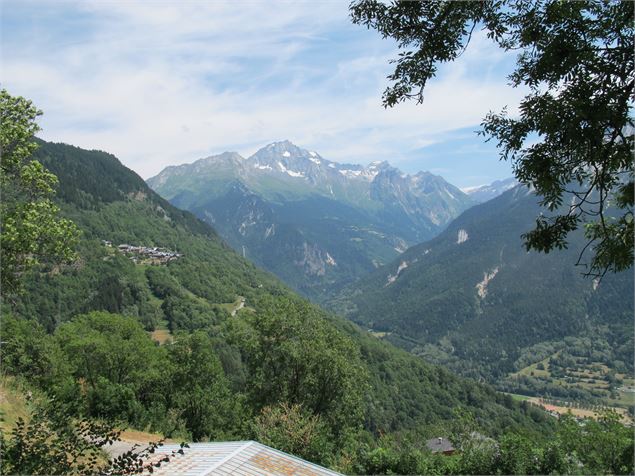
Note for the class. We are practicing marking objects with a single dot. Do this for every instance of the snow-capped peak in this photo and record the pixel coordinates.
(482, 193)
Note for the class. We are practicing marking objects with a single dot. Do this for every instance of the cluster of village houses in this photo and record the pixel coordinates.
(160, 255)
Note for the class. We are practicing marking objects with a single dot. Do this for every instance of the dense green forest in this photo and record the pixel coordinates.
(476, 301)
(82, 334)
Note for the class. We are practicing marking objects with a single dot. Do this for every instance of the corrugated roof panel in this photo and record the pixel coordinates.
(243, 458)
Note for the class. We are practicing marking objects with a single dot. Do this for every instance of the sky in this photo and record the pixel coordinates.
(160, 83)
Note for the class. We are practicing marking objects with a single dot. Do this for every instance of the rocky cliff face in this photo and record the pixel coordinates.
(296, 213)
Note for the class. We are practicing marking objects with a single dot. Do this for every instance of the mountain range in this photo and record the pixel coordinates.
(211, 289)
(476, 300)
(314, 223)
(483, 193)
(384, 249)
(471, 298)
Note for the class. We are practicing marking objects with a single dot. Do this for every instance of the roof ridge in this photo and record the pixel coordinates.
(238, 450)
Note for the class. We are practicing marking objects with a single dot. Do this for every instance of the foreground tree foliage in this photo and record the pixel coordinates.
(304, 392)
(53, 442)
(294, 356)
(573, 139)
(603, 446)
(31, 229)
(204, 401)
(290, 428)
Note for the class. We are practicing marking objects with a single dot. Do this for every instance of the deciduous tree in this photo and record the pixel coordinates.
(573, 138)
(32, 230)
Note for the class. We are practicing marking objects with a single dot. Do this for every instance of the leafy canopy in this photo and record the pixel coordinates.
(32, 230)
(573, 139)
(295, 357)
(53, 442)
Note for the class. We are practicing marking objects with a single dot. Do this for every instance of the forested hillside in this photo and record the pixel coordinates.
(474, 299)
(240, 348)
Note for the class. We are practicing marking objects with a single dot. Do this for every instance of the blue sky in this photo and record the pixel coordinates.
(165, 82)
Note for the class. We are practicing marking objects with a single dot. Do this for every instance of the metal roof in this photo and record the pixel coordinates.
(248, 458)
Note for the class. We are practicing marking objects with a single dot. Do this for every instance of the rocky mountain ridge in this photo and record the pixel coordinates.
(315, 223)
(483, 193)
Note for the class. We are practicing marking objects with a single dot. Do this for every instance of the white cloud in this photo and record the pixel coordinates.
(163, 83)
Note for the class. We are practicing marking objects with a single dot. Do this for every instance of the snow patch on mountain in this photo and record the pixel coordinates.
(250, 221)
(462, 236)
(348, 173)
(209, 217)
(291, 173)
(366, 173)
(286, 153)
(472, 189)
(370, 173)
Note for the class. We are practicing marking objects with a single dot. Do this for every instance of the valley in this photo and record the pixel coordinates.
(226, 330)
(434, 276)
(462, 300)
(423, 295)
(316, 224)
(207, 300)
(444, 298)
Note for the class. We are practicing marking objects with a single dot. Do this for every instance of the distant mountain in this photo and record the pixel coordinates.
(474, 299)
(483, 193)
(314, 223)
(210, 286)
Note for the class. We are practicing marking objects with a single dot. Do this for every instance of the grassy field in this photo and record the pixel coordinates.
(578, 412)
(517, 397)
(591, 376)
(533, 371)
(378, 334)
(141, 437)
(232, 307)
(13, 404)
